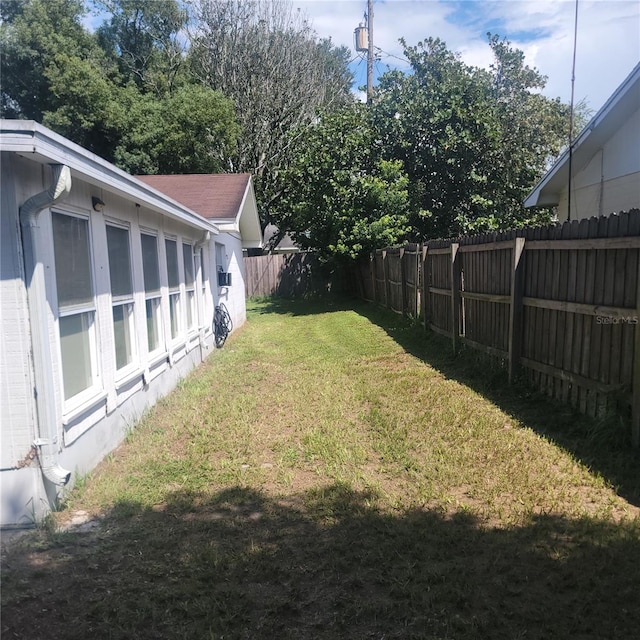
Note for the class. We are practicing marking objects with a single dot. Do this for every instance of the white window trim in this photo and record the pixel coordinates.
(178, 340)
(123, 374)
(160, 352)
(190, 294)
(80, 402)
(203, 321)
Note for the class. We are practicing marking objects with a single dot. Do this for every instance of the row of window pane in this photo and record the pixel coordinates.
(75, 288)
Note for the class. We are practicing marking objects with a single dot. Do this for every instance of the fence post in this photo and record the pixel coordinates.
(372, 275)
(635, 382)
(425, 286)
(403, 283)
(515, 309)
(385, 279)
(455, 296)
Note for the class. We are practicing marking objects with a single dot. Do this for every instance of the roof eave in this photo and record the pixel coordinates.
(248, 219)
(623, 99)
(30, 139)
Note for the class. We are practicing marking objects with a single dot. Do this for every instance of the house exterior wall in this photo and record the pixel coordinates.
(95, 421)
(610, 182)
(233, 297)
(17, 405)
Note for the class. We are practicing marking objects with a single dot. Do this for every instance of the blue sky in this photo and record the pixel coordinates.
(608, 45)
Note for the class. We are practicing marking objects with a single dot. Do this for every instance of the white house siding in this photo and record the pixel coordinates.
(610, 182)
(233, 297)
(87, 432)
(17, 406)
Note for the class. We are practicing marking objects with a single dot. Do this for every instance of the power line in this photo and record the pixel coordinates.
(391, 55)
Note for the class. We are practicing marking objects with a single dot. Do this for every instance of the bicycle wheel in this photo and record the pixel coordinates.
(226, 318)
(220, 332)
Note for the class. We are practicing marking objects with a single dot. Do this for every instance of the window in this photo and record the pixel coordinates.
(151, 273)
(76, 303)
(174, 286)
(203, 275)
(221, 262)
(190, 283)
(222, 275)
(121, 294)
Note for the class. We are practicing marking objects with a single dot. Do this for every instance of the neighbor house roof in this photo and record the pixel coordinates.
(286, 244)
(624, 101)
(225, 198)
(32, 140)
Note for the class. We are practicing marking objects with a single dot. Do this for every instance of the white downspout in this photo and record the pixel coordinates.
(47, 441)
(199, 302)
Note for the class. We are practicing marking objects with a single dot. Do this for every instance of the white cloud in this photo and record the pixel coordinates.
(608, 44)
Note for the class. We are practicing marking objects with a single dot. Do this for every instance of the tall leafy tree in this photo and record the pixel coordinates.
(146, 39)
(33, 34)
(341, 198)
(472, 141)
(117, 93)
(265, 56)
(53, 71)
(193, 130)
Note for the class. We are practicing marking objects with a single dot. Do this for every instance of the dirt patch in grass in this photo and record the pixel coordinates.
(328, 476)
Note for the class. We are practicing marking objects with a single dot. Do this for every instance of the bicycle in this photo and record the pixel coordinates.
(222, 324)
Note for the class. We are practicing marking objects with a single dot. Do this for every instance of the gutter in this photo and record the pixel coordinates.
(27, 138)
(46, 443)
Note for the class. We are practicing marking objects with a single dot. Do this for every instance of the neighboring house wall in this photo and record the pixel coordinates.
(610, 182)
(125, 374)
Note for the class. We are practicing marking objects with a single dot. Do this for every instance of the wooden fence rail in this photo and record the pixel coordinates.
(559, 305)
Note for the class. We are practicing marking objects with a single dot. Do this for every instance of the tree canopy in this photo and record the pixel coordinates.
(342, 198)
(472, 141)
(248, 86)
(266, 57)
(121, 92)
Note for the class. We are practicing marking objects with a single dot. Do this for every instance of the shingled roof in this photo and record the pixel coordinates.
(224, 198)
(215, 196)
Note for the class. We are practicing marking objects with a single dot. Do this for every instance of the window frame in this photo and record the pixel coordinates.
(127, 302)
(203, 254)
(89, 309)
(191, 318)
(175, 305)
(153, 296)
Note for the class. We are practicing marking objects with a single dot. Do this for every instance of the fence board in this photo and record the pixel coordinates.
(561, 303)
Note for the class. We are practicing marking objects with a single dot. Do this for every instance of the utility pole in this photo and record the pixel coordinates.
(370, 50)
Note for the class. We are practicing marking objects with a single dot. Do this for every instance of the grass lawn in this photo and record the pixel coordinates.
(332, 472)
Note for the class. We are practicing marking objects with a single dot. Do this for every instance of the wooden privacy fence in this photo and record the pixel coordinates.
(558, 304)
(288, 275)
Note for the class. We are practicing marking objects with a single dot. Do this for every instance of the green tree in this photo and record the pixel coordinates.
(472, 141)
(147, 41)
(341, 198)
(127, 108)
(191, 131)
(37, 38)
(54, 72)
(265, 56)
